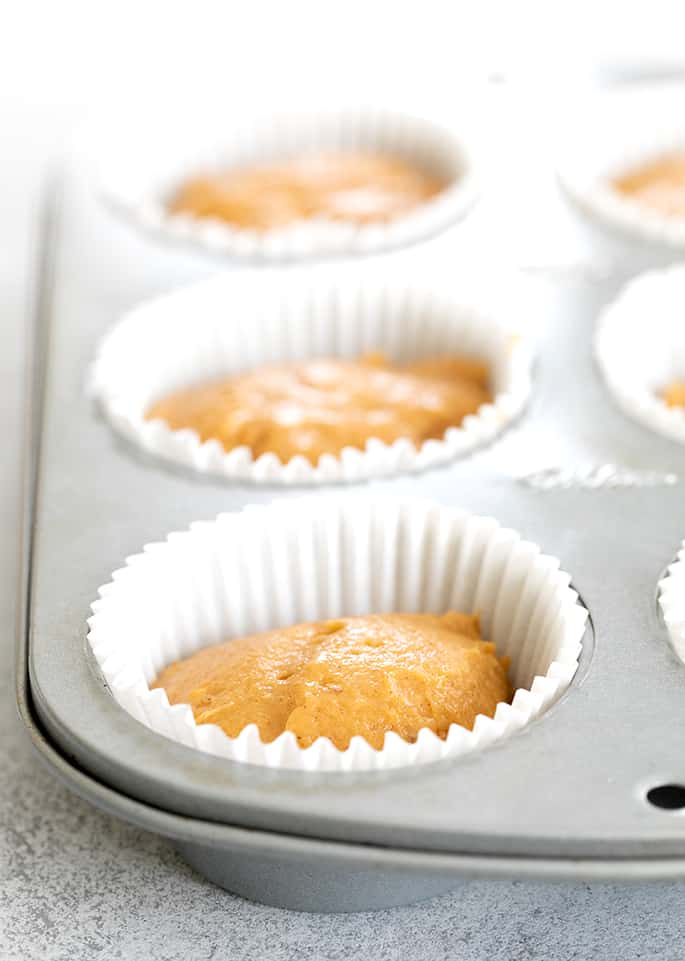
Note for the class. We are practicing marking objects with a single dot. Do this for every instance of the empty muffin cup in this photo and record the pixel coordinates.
(319, 558)
(143, 181)
(640, 351)
(234, 325)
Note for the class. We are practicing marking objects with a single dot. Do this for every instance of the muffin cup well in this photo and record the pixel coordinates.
(139, 181)
(672, 602)
(315, 558)
(232, 324)
(640, 348)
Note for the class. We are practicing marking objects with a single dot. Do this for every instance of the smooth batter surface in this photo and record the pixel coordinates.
(354, 675)
(674, 395)
(321, 406)
(355, 187)
(658, 185)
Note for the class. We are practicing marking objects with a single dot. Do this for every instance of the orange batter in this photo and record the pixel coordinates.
(674, 395)
(658, 185)
(321, 406)
(355, 675)
(355, 187)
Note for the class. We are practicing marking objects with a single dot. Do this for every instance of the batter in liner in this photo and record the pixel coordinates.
(674, 395)
(658, 185)
(321, 406)
(350, 676)
(354, 187)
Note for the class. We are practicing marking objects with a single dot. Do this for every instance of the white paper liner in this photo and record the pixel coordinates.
(232, 324)
(315, 558)
(672, 602)
(622, 140)
(640, 348)
(141, 175)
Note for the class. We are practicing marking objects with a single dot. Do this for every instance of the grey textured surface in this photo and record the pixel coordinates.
(76, 885)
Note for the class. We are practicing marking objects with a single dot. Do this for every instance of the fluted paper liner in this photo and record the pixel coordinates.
(141, 174)
(672, 602)
(617, 145)
(232, 324)
(640, 348)
(315, 558)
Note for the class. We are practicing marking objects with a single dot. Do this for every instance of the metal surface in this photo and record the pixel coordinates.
(565, 795)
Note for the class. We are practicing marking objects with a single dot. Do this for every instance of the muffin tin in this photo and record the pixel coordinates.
(564, 797)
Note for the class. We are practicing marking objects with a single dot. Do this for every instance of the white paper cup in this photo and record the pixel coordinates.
(617, 133)
(672, 602)
(231, 324)
(640, 348)
(141, 173)
(317, 558)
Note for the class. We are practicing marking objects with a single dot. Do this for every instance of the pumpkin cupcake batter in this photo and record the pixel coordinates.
(356, 187)
(350, 676)
(658, 185)
(674, 395)
(321, 406)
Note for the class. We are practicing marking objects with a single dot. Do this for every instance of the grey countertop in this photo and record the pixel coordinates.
(75, 884)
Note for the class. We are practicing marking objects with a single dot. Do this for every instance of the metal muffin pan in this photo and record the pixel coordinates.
(565, 797)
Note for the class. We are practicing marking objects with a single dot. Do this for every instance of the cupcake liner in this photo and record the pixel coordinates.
(316, 558)
(232, 324)
(619, 141)
(139, 181)
(640, 348)
(672, 602)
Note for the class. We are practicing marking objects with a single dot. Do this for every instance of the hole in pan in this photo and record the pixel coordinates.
(667, 797)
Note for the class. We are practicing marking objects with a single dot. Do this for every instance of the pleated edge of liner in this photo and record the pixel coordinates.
(376, 459)
(526, 705)
(310, 238)
(671, 596)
